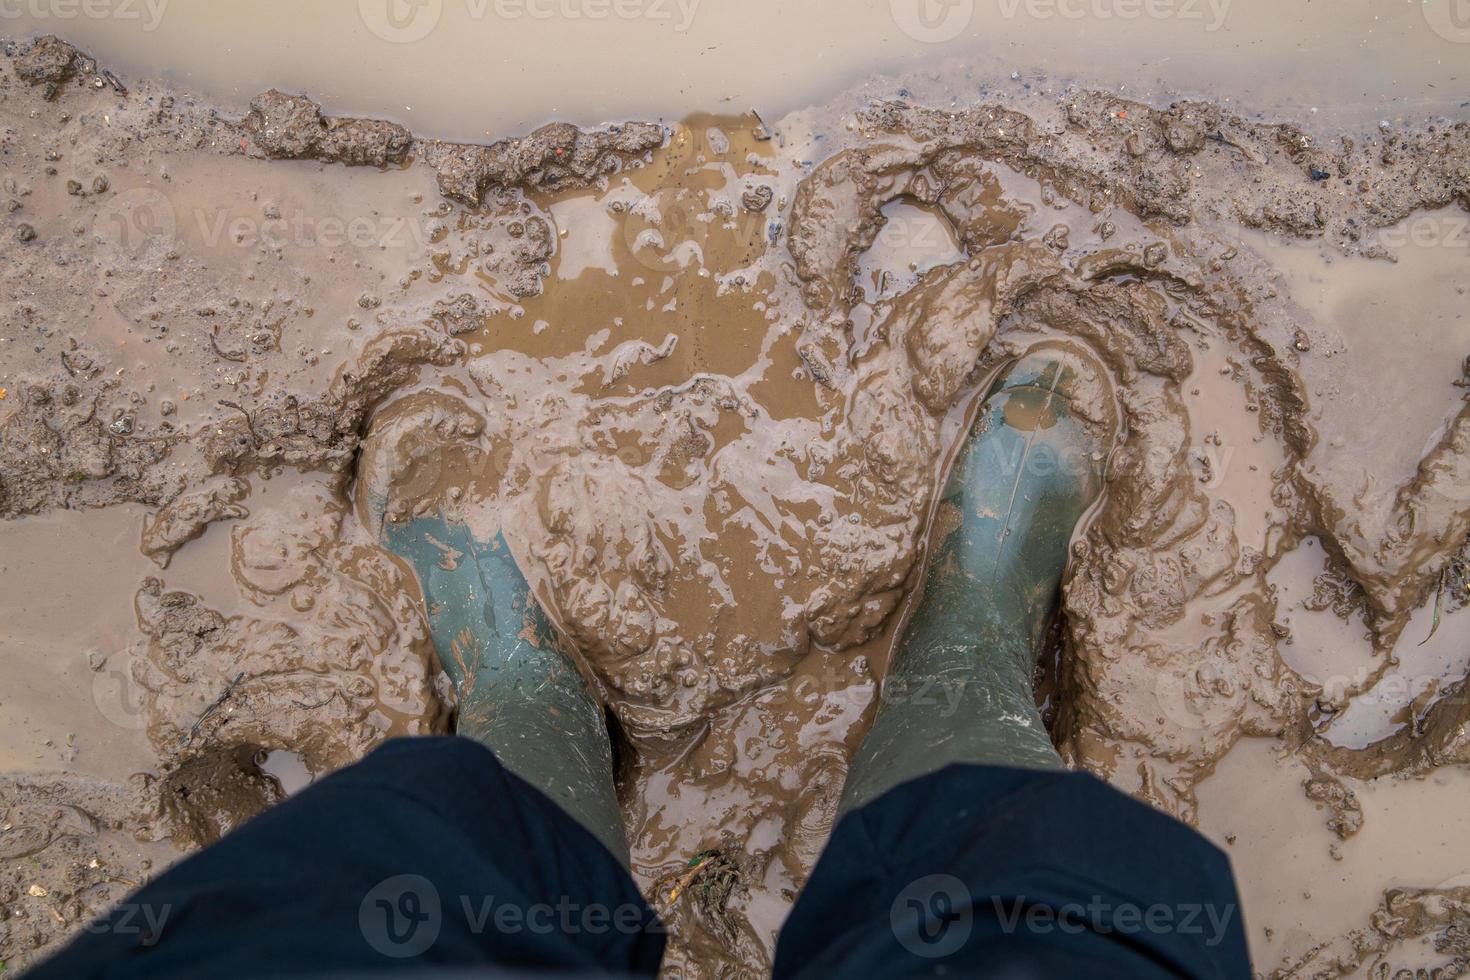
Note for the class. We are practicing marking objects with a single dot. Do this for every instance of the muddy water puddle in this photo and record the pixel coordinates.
(708, 394)
(593, 61)
(1388, 331)
(1306, 883)
(56, 566)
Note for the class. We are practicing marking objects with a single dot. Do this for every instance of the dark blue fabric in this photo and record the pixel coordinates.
(430, 855)
(982, 871)
(315, 885)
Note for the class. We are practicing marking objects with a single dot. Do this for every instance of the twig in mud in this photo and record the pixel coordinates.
(711, 876)
(688, 876)
(310, 707)
(249, 421)
(1249, 152)
(225, 696)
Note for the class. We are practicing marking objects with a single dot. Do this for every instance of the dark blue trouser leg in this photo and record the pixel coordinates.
(997, 872)
(427, 854)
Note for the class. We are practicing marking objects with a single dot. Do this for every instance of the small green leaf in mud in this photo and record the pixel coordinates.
(717, 878)
(1438, 605)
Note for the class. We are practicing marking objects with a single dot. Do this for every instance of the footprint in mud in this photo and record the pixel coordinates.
(428, 453)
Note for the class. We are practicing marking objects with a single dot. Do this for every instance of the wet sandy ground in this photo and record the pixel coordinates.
(719, 368)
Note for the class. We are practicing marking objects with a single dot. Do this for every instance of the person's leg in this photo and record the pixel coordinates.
(430, 851)
(427, 854)
(960, 688)
(963, 845)
(990, 871)
(518, 694)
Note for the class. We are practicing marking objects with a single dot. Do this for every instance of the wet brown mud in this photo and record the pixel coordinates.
(707, 378)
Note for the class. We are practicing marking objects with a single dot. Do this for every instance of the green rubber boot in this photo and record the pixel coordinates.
(518, 694)
(960, 685)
